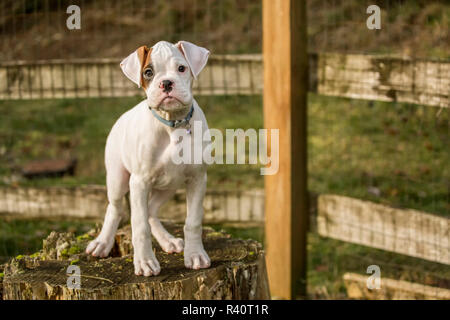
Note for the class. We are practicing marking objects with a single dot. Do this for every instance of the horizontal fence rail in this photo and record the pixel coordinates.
(224, 75)
(373, 77)
(370, 77)
(392, 289)
(405, 231)
(90, 201)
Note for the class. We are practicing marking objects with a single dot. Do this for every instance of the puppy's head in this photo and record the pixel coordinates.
(166, 72)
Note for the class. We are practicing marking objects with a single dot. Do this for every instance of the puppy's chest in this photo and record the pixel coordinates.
(166, 173)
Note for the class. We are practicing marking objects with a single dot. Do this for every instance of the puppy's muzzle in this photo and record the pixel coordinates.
(166, 85)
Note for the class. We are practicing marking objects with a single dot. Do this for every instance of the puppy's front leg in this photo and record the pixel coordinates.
(144, 259)
(195, 257)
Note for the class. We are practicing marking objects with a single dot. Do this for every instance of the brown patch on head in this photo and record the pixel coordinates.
(144, 53)
(178, 45)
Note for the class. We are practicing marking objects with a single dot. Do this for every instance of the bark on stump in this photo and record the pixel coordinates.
(237, 271)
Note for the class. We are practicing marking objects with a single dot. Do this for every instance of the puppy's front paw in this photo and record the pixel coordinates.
(172, 245)
(146, 264)
(100, 247)
(196, 258)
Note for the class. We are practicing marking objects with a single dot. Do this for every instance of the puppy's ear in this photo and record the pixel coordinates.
(133, 64)
(195, 56)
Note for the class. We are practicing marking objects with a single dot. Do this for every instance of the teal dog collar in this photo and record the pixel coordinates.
(174, 123)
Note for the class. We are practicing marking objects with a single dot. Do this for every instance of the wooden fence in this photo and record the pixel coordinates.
(392, 289)
(371, 77)
(90, 201)
(226, 74)
(425, 82)
(405, 231)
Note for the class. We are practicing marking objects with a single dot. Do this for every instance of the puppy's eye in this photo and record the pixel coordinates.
(181, 68)
(148, 73)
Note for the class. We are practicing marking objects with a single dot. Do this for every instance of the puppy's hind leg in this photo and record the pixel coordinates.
(117, 186)
(168, 243)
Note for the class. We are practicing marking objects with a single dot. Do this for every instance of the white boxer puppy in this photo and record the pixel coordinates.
(138, 156)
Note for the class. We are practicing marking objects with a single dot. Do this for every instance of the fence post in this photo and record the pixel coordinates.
(285, 101)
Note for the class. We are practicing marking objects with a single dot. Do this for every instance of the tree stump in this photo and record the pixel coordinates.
(237, 271)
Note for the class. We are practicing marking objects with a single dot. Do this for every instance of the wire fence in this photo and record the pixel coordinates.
(36, 30)
(385, 140)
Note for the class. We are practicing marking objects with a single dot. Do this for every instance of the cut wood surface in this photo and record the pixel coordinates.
(237, 271)
(404, 231)
(391, 289)
(373, 77)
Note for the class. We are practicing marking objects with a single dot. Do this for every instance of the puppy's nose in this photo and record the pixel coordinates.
(166, 85)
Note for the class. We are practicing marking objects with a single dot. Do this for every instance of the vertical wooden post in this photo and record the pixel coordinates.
(285, 101)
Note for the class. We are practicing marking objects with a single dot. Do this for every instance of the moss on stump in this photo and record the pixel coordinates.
(237, 271)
